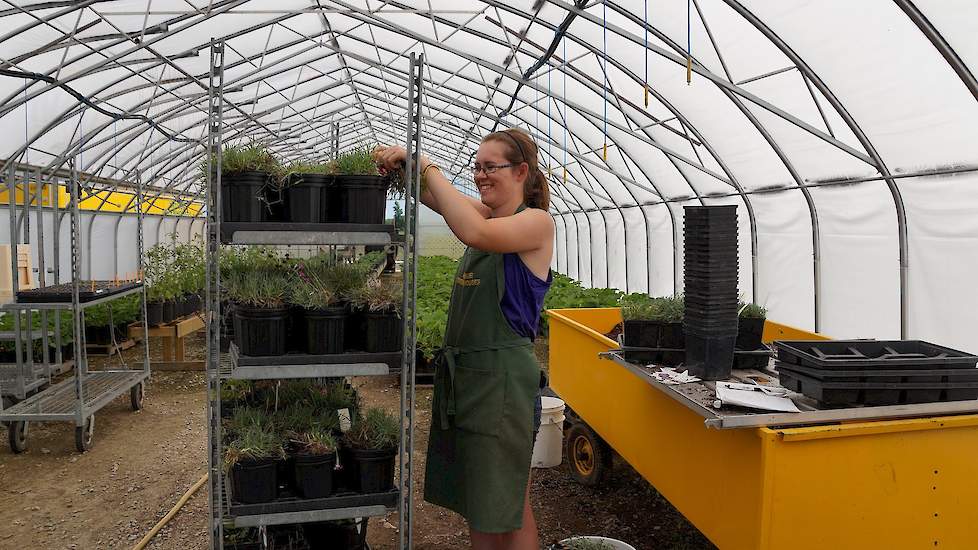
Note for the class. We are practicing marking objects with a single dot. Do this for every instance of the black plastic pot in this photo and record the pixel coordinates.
(358, 199)
(307, 198)
(295, 335)
(169, 310)
(749, 332)
(241, 197)
(154, 313)
(325, 330)
(334, 534)
(356, 329)
(371, 471)
(671, 336)
(254, 481)
(709, 357)
(384, 331)
(314, 475)
(100, 336)
(260, 331)
(274, 204)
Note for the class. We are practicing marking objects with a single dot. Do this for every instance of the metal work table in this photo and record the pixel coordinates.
(700, 396)
(60, 401)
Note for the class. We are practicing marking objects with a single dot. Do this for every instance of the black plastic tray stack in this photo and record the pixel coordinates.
(710, 321)
(839, 373)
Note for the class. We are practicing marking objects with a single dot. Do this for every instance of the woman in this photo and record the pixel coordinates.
(486, 411)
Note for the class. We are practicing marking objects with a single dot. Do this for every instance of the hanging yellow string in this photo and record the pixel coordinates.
(689, 42)
(565, 174)
(605, 150)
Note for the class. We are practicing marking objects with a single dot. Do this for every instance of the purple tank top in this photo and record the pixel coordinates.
(523, 296)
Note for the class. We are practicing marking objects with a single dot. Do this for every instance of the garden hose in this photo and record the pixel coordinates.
(170, 515)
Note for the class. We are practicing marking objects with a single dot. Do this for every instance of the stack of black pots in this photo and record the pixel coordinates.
(710, 321)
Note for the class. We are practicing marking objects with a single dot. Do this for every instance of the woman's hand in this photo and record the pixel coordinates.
(392, 158)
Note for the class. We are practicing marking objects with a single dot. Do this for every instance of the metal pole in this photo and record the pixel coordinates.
(81, 367)
(55, 191)
(140, 251)
(19, 390)
(42, 273)
(212, 294)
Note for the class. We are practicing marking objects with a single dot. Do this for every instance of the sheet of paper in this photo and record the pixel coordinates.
(755, 397)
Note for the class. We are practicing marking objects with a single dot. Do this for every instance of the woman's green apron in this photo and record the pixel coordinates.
(486, 381)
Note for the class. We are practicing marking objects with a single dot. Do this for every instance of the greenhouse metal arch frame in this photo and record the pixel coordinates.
(640, 107)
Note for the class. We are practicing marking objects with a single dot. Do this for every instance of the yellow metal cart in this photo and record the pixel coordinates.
(872, 477)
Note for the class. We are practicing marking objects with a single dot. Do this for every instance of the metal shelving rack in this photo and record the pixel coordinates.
(76, 398)
(231, 365)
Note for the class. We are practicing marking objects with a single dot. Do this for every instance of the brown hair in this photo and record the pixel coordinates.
(520, 147)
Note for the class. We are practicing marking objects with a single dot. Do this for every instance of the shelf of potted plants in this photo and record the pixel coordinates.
(341, 202)
(302, 320)
(288, 459)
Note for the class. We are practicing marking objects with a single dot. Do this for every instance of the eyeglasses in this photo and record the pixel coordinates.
(489, 168)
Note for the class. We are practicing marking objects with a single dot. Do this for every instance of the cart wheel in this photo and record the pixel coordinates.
(589, 455)
(17, 435)
(136, 395)
(83, 435)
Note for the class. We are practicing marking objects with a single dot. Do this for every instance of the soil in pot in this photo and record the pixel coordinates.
(325, 330)
(241, 194)
(314, 475)
(254, 481)
(307, 198)
(371, 471)
(260, 331)
(154, 313)
(384, 331)
(358, 199)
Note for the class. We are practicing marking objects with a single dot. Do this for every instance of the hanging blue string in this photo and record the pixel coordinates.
(646, 27)
(550, 120)
(607, 81)
(565, 110)
(689, 42)
(27, 130)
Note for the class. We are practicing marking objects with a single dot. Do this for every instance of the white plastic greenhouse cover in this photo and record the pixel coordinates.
(845, 132)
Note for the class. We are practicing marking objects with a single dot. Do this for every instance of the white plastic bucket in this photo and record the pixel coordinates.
(547, 449)
(614, 543)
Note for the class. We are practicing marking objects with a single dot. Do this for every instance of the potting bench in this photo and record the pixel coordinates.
(174, 336)
(224, 511)
(865, 477)
(77, 398)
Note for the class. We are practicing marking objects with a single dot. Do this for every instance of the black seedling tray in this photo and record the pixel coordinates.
(62, 293)
(856, 354)
(390, 358)
(228, 229)
(287, 504)
(884, 374)
(878, 393)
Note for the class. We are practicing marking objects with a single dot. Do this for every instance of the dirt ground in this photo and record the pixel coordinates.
(51, 497)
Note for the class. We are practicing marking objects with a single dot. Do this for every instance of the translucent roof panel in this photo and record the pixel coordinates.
(837, 128)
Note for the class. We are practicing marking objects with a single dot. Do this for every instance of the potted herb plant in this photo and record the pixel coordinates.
(324, 314)
(381, 302)
(750, 326)
(260, 311)
(251, 461)
(245, 173)
(359, 192)
(372, 448)
(315, 460)
(305, 190)
(653, 323)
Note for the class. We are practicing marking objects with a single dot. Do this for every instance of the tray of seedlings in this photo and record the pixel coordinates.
(88, 291)
(305, 445)
(311, 312)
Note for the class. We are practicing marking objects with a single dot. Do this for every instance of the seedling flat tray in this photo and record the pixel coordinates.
(62, 292)
(877, 392)
(289, 504)
(858, 354)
